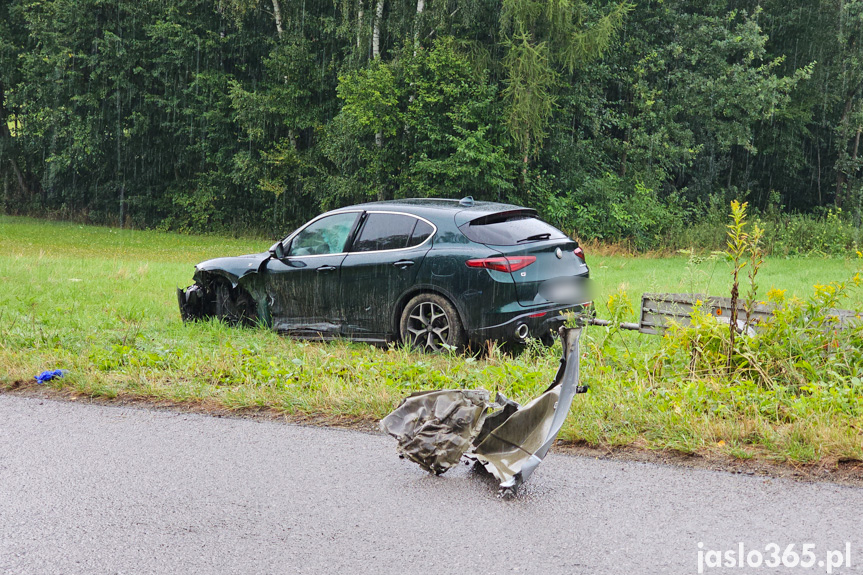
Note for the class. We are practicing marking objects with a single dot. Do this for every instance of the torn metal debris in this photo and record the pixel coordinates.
(435, 429)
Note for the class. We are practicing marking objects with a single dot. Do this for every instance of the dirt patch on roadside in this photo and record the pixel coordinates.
(26, 388)
(840, 471)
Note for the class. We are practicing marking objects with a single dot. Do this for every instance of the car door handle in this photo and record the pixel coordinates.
(326, 269)
(404, 264)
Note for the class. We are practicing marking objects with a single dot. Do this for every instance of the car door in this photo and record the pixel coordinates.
(303, 286)
(381, 264)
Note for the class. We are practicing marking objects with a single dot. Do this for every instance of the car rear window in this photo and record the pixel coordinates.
(390, 232)
(509, 230)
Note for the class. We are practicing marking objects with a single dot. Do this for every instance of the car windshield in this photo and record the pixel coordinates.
(510, 230)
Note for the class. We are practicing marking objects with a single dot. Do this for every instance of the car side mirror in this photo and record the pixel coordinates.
(277, 251)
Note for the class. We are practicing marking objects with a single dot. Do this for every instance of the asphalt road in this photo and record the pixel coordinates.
(88, 489)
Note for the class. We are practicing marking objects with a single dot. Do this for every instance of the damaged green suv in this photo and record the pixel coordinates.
(435, 273)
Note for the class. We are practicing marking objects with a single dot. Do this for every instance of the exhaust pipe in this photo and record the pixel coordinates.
(522, 331)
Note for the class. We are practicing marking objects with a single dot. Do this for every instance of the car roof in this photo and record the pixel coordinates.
(430, 207)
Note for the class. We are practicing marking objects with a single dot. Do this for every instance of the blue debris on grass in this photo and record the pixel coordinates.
(46, 376)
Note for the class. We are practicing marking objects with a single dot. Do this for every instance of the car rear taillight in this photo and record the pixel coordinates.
(580, 253)
(504, 264)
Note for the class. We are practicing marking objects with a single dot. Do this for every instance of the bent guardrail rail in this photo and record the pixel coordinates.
(659, 310)
(435, 429)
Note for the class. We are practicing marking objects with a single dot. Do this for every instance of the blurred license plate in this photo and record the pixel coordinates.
(566, 290)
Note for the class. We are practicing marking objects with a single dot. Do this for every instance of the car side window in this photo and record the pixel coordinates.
(327, 235)
(386, 232)
(421, 233)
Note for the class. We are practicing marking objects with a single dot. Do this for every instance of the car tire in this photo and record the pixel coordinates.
(429, 322)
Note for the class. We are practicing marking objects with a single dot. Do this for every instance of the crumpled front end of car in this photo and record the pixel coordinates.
(227, 288)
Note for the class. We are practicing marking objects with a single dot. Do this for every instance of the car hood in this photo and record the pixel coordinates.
(235, 267)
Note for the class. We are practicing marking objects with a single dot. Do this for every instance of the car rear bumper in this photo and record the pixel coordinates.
(539, 324)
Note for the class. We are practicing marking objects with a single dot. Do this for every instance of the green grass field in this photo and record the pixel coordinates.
(101, 303)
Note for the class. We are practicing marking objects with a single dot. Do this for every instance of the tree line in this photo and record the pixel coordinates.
(615, 119)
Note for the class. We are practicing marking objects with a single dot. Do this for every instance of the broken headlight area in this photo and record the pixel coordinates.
(437, 429)
(193, 302)
(216, 297)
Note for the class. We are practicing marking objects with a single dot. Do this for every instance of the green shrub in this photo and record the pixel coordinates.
(615, 209)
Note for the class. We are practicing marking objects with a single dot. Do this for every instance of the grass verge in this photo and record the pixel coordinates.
(100, 303)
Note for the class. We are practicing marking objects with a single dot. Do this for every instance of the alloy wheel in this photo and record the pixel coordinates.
(429, 327)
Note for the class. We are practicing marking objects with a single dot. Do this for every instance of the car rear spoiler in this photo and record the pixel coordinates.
(465, 217)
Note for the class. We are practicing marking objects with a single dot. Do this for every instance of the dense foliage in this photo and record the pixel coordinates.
(617, 120)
